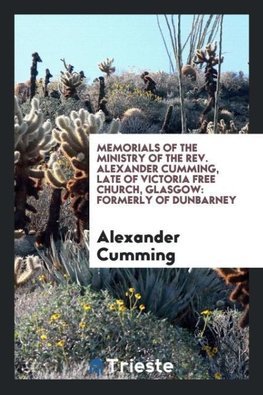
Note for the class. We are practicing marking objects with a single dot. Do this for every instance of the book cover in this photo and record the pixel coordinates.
(135, 163)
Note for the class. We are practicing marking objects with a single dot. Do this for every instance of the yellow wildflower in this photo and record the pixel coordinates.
(82, 325)
(126, 293)
(55, 317)
(218, 376)
(86, 307)
(131, 290)
(49, 344)
(122, 308)
(138, 296)
(112, 307)
(43, 337)
(42, 277)
(142, 307)
(60, 343)
(120, 302)
(206, 312)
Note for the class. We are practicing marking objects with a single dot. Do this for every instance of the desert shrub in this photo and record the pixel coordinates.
(122, 97)
(133, 80)
(40, 218)
(225, 344)
(127, 90)
(234, 84)
(193, 109)
(52, 107)
(26, 303)
(73, 326)
(134, 121)
(166, 84)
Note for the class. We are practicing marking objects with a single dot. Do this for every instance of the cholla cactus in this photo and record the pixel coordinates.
(189, 72)
(135, 121)
(68, 84)
(33, 138)
(47, 81)
(106, 66)
(245, 129)
(25, 269)
(18, 233)
(209, 57)
(240, 279)
(222, 127)
(73, 137)
(33, 70)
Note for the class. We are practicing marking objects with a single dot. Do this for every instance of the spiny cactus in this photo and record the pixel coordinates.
(245, 129)
(34, 73)
(47, 81)
(72, 134)
(68, 84)
(68, 67)
(32, 139)
(222, 127)
(240, 279)
(189, 72)
(18, 233)
(106, 66)
(210, 59)
(25, 268)
(134, 120)
(150, 84)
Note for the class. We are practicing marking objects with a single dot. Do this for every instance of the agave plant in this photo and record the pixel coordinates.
(174, 294)
(69, 261)
(169, 293)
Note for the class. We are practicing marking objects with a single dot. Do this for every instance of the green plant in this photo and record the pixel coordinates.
(71, 328)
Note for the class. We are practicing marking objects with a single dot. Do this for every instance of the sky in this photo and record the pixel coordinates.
(134, 41)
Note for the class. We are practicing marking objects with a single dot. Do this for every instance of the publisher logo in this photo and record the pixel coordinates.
(114, 365)
(96, 366)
